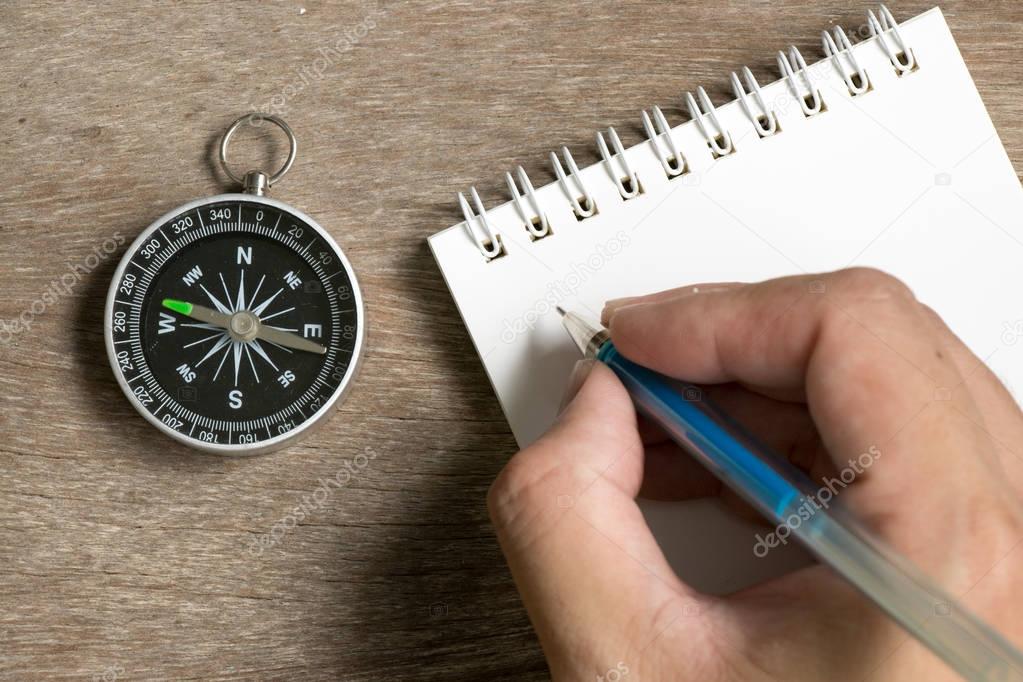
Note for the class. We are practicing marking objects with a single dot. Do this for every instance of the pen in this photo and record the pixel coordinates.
(778, 490)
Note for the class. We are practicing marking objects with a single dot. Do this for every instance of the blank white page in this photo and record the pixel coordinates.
(909, 177)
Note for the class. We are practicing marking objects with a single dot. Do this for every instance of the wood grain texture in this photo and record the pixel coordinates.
(126, 556)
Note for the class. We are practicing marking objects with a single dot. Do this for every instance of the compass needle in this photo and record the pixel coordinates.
(198, 312)
(289, 339)
(178, 306)
(235, 283)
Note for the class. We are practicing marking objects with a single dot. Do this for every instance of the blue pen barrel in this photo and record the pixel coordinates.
(715, 440)
(778, 490)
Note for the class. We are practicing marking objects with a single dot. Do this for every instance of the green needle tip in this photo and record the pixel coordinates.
(178, 306)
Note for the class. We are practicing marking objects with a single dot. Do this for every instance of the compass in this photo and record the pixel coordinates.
(235, 323)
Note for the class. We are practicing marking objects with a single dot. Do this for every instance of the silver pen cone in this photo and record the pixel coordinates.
(587, 337)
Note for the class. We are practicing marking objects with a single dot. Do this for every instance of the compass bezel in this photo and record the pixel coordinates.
(281, 440)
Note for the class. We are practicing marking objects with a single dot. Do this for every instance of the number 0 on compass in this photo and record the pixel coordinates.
(234, 323)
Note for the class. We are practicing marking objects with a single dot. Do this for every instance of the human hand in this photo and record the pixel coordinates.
(822, 368)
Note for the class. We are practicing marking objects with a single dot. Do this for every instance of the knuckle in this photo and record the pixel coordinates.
(504, 486)
(516, 488)
(872, 284)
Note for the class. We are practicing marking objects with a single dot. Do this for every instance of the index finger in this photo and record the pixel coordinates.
(773, 334)
(858, 346)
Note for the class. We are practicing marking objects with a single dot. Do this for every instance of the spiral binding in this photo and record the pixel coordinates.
(490, 245)
(585, 205)
(858, 85)
(794, 71)
(795, 64)
(765, 122)
(673, 163)
(537, 226)
(630, 175)
(880, 28)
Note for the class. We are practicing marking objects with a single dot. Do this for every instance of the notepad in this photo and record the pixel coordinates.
(880, 154)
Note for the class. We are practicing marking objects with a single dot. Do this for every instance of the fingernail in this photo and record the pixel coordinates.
(576, 380)
(614, 304)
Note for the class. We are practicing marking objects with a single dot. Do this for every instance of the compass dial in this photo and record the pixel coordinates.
(234, 323)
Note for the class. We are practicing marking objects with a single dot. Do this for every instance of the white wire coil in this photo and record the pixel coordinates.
(838, 47)
(838, 50)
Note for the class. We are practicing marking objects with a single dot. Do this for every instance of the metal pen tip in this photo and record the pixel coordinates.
(587, 337)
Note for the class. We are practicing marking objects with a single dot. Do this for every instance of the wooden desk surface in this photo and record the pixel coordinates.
(126, 556)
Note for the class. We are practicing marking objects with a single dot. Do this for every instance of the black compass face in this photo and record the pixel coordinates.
(234, 325)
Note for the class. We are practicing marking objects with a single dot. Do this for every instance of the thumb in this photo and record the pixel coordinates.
(584, 560)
